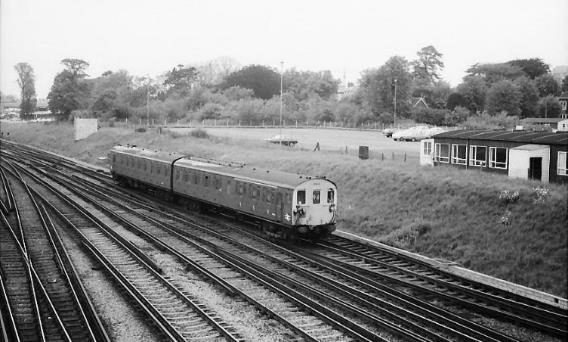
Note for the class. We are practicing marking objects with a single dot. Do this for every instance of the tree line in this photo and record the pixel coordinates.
(222, 89)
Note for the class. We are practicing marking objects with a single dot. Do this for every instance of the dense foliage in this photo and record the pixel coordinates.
(26, 82)
(222, 90)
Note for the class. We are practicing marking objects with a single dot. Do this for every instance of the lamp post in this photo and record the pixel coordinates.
(394, 102)
(281, 77)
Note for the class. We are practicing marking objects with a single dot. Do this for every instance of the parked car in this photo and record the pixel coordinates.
(388, 132)
(416, 133)
(284, 140)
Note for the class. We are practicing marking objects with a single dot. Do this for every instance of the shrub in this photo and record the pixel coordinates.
(509, 196)
(430, 116)
(199, 133)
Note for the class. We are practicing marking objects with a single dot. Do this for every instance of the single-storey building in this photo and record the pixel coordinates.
(560, 123)
(521, 154)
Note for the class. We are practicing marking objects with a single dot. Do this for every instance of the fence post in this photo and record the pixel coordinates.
(405, 157)
(382, 156)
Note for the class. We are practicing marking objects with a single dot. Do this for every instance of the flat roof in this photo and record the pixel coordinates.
(529, 137)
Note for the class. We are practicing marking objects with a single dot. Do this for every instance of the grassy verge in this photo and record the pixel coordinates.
(446, 213)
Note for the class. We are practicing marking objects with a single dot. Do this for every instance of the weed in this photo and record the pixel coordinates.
(542, 194)
(509, 196)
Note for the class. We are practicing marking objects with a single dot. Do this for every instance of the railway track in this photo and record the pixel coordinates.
(62, 309)
(370, 288)
(179, 316)
(456, 327)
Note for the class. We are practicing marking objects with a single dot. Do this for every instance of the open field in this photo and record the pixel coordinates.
(439, 212)
(329, 139)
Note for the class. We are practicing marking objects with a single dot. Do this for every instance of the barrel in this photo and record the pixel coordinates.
(363, 152)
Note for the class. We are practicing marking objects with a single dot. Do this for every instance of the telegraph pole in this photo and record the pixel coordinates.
(394, 102)
(281, 77)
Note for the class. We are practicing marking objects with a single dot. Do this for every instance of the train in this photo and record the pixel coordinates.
(284, 205)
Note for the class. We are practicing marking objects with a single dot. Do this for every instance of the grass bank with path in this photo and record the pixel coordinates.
(446, 213)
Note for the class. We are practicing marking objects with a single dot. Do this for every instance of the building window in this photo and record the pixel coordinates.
(459, 154)
(316, 197)
(562, 164)
(301, 197)
(498, 157)
(427, 148)
(442, 153)
(477, 155)
(564, 104)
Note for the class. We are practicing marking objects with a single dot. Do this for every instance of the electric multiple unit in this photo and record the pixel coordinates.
(284, 204)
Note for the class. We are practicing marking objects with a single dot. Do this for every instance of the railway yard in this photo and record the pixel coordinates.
(83, 259)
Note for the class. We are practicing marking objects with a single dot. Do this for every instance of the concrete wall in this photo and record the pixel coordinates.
(85, 127)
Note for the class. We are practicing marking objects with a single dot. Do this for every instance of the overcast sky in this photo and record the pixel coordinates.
(148, 37)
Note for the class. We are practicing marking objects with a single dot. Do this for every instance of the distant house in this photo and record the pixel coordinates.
(563, 106)
(419, 102)
(519, 154)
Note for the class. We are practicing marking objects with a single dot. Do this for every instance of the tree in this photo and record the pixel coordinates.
(70, 91)
(428, 65)
(306, 84)
(547, 85)
(26, 81)
(564, 87)
(473, 89)
(549, 107)
(529, 96)
(263, 81)
(504, 96)
(378, 87)
(532, 67)
(179, 81)
(492, 73)
(455, 100)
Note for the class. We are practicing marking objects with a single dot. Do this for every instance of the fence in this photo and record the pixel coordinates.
(228, 123)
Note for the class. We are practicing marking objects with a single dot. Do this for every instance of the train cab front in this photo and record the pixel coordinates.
(315, 208)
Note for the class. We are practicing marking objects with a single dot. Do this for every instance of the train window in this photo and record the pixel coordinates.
(206, 181)
(316, 197)
(301, 197)
(218, 183)
(185, 177)
(330, 196)
(269, 196)
(287, 197)
(144, 166)
(195, 178)
(255, 193)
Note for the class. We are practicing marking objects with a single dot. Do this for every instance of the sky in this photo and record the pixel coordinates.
(149, 37)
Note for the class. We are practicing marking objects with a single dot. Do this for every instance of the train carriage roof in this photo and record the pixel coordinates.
(250, 174)
(238, 171)
(149, 154)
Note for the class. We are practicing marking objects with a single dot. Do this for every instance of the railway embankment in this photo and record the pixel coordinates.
(510, 229)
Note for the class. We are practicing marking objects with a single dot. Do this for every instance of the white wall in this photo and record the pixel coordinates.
(85, 127)
(519, 162)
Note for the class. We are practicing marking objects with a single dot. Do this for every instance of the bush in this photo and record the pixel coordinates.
(430, 116)
(199, 133)
(486, 121)
(211, 111)
(456, 116)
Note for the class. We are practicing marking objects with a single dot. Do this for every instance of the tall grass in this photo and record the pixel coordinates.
(439, 212)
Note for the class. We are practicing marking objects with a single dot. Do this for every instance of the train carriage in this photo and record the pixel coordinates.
(284, 204)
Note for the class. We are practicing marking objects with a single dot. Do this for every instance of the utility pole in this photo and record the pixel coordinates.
(281, 77)
(148, 101)
(394, 103)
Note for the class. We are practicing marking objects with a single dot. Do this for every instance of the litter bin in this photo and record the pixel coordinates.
(363, 152)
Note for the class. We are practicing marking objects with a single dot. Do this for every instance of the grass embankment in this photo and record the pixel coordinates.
(438, 212)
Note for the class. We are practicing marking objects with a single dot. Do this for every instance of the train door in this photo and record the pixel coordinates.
(278, 206)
